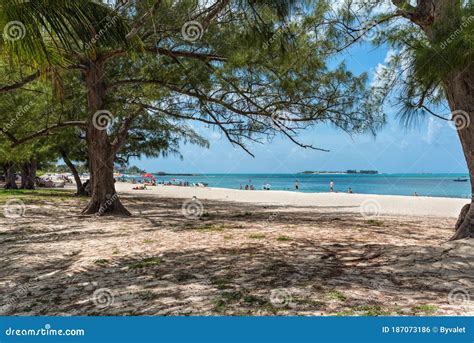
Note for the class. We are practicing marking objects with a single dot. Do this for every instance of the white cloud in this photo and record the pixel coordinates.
(434, 126)
(382, 73)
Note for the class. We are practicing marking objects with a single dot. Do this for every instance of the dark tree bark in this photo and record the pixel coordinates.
(104, 198)
(28, 174)
(10, 177)
(79, 186)
(460, 90)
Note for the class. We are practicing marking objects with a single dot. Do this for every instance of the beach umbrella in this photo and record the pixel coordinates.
(148, 175)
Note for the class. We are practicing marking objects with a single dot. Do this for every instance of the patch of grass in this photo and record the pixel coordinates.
(232, 296)
(222, 283)
(284, 238)
(372, 310)
(226, 299)
(269, 308)
(307, 302)
(148, 241)
(228, 237)
(148, 295)
(220, 305)
(20, 193)
(102, 262)
(257, 236)
(345, 313)
(147, 262)
(211, 228)
(254, 300)
(336, 295)
(374, 222)
(242, 214)
(428, 309)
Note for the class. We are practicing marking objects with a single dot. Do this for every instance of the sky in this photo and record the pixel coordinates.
(431, 147)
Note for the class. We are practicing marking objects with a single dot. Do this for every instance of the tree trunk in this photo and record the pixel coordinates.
(10, 176)
(460, 91)
(104, 199)
(28, 174)
(79, 186)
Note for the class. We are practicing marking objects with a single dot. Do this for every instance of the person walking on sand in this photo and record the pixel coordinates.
(331, 186)
(296, 185)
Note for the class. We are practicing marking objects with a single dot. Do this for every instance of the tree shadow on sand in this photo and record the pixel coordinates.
(248, 260)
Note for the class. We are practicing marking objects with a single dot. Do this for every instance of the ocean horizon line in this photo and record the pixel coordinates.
(298, 173)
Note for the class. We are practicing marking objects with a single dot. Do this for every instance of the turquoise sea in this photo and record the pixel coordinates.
(435, 185)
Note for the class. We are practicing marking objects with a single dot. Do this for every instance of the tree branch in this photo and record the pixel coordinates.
(171, 53)
(123, 130)
(20, 84)
(42, 132)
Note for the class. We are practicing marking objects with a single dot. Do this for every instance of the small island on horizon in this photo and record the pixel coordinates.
(350, 171)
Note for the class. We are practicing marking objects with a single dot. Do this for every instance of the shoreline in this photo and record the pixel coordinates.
(340, 202)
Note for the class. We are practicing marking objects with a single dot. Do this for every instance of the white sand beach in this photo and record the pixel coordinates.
(324, 256)
(357, 203)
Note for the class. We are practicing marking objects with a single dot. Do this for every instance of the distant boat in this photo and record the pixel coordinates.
(460, 180)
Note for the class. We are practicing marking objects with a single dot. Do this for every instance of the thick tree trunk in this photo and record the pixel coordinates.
(460, 91)
(28, 174)
(79, 186)
(10, 177)
(104, 199)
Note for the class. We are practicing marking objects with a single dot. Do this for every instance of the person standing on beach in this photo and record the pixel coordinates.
(296, 185)
(331, 186)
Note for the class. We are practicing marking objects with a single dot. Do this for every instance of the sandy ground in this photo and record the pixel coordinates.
(359, 203)
(179, 257)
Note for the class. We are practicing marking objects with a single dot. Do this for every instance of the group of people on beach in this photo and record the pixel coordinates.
(247, 187)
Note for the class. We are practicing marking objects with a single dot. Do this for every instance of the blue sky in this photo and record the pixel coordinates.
(432, 147)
